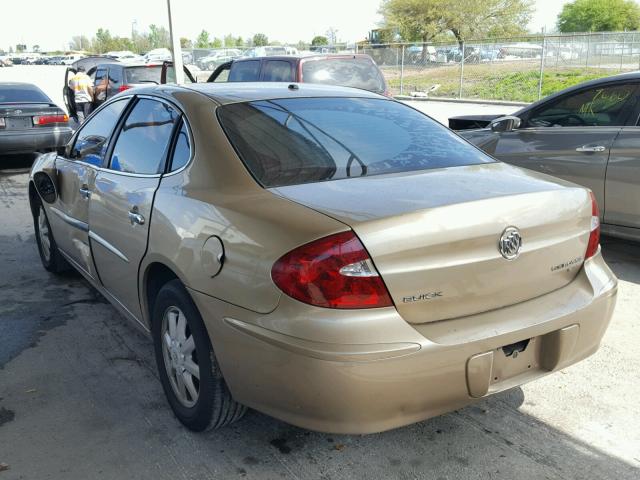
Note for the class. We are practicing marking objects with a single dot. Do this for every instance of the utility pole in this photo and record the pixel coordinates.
(177, 49)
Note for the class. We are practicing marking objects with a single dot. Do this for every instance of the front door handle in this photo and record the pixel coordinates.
(591, 148)
(85, 192)
(135, 217)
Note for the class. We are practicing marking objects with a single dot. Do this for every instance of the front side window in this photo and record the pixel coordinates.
(142, 144)
(598, 107)
(245, 71)
(92, 139)
(303, 140)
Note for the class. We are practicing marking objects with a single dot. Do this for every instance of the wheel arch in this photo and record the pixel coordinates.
(156, 274)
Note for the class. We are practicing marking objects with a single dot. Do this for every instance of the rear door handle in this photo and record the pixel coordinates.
(591, 148)
(85, 192)
(135, 217)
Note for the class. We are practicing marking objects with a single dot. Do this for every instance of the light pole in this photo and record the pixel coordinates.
(176, 50)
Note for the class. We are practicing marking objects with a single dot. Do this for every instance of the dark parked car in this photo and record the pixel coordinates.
(29, 120)
(358, 71)
(111, 77)
(588, 134)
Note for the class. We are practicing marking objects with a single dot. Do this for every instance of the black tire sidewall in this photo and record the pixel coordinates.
(199, 416)
(47, 264)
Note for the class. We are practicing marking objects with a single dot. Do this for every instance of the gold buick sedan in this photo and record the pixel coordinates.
(324, 255)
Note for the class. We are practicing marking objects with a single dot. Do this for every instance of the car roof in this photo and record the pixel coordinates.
(30, 86)
(236, 92)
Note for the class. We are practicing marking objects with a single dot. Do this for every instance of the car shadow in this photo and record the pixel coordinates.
(622, 257)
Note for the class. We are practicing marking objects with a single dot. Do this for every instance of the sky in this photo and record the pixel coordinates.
(51, 24)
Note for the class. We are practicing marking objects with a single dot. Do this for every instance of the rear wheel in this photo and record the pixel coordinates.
(52, 259)
(189, 372)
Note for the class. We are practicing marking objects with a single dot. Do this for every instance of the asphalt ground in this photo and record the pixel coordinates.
(80, 396)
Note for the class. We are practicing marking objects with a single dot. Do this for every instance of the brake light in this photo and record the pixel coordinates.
(49, 119)
(122, 88)
(332, 272)
(594, 236)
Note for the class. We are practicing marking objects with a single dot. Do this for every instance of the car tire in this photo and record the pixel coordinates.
(203, 401)
(50, 256)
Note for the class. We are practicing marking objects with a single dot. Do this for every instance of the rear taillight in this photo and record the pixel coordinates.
(594, 236)
(122, 88)
(49, 119)
(2, 122)
(333, 272)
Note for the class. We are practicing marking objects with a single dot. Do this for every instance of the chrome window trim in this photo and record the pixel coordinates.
(94, 236)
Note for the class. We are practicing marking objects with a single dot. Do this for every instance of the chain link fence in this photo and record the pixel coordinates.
(521, 69)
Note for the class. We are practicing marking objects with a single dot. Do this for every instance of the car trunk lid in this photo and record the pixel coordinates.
(20, 116)
(433, 236)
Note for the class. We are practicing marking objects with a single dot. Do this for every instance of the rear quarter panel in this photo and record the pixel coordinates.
(215, 195)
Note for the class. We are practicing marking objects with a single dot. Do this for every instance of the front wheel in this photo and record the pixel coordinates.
(52, 259)
(189, 372)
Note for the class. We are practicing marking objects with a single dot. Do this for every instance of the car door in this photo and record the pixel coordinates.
(571, 136)
(167, 74)
(114, 80)
(221, 73)
(622, 183)
(76, 177)
(122, 198)
(67, 94)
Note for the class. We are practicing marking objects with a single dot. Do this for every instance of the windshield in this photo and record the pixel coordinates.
(145, 74)
(14, 94)
(303, 140)
(346, 72)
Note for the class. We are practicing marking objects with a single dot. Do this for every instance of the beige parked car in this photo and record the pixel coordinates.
(325, 255)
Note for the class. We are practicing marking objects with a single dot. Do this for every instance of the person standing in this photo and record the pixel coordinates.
(82, 87)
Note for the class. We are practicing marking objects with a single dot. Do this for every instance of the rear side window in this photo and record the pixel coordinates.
(10, 94)
(146, 74)
(142, 144)
(304, 140)
(92, 140)
(356, 72)
(245, 71)
(277, 71)
(182, 150)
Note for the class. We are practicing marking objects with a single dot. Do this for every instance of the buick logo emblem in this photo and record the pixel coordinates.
(510, 243)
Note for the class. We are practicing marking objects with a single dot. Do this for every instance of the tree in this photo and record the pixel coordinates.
(185, 43)
(332, 35)
(36, 48)
(80, 42)
(103, 41)
(260, 40)
(599, 16)
(239, 42)
(202, 41)
(158, 37)
(468, 19)
(422, 20)
(319, 40)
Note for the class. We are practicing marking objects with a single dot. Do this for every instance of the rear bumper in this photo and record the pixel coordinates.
(33, 141)
(408, 374)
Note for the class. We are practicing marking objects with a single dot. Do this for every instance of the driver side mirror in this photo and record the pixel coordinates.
(505, 124)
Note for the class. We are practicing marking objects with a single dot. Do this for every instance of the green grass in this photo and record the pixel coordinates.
(488, 82)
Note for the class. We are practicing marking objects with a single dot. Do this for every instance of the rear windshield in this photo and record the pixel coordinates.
(144, 74)
(14, 94)
(346, 72)
(305, 140)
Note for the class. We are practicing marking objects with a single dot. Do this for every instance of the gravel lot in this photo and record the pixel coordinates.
(80, 398)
